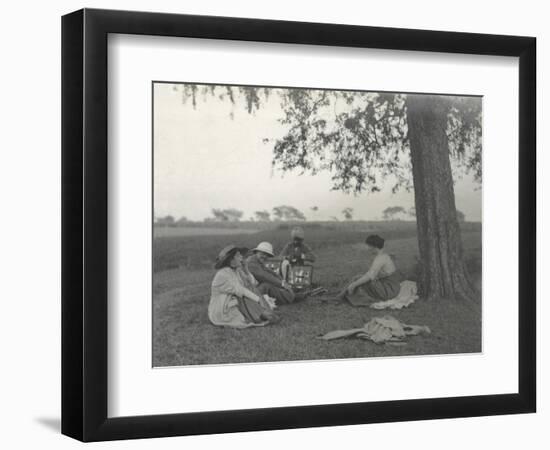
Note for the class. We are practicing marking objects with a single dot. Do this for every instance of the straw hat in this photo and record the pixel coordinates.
(264, 247)
(227, 253)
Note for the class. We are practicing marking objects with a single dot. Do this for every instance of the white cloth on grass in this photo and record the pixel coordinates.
(407, 295)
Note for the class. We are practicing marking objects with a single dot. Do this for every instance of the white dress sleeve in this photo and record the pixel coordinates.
(225, 283)
(229, 282)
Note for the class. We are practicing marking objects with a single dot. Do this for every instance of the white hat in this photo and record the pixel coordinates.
(264, 247)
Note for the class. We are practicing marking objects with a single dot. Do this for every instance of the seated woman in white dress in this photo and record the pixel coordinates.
(232, 304)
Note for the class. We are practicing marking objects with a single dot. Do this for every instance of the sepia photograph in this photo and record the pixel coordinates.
(299, 224)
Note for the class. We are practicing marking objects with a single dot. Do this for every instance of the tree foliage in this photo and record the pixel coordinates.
(166, 221)
(464, 133)
(360, 138)
(348, 213)
(391, 212)
(262, 216)
(286, 212)
(227, 215)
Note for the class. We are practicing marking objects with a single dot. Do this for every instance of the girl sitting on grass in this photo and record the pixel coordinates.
(232, 304)
(380, 282)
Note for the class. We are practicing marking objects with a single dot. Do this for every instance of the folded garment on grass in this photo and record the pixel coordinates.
(379, 330)
(407, 296)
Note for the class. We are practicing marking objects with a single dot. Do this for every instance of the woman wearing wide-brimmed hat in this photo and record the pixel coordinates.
(232, 304)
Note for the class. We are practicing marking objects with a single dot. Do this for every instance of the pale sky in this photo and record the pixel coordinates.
(204, 159)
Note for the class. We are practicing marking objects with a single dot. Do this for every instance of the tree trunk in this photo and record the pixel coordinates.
(442, 271)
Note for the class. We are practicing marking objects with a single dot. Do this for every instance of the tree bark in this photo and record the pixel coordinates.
(442, 272)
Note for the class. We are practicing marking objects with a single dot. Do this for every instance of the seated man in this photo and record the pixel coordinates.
(296, 252)
(270, 282)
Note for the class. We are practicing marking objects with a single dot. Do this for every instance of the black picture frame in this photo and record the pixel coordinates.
(84, 224)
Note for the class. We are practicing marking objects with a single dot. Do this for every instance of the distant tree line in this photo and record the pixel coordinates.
(287, 213)
(281, 213)
(398, 212)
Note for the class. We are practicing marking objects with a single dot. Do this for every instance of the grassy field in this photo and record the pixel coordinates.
(182, 334)
(193, 247)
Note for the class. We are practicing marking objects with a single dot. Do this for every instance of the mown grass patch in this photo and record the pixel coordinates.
(182, 334)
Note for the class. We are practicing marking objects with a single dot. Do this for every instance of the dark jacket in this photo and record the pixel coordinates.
(262, 273)
(293, 252)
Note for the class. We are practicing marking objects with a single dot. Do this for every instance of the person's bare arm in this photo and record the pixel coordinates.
(362, 280)
(370, 275)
